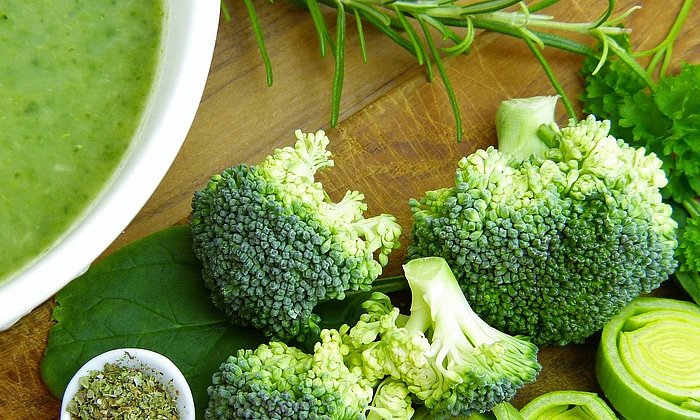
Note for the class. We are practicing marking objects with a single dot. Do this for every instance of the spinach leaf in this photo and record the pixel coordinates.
(150, 295)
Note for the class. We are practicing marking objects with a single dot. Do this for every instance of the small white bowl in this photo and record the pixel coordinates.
(151, 362)
(189, 35)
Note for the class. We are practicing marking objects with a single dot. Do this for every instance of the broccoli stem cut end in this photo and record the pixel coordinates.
(518, 122)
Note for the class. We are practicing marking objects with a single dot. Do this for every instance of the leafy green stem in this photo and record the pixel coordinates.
(339, 74)
(552, 77)
(692, 206)
(661, 53)
(629, 60)
(457, 24)
(391, 284)
(445, 78)
(257, 32)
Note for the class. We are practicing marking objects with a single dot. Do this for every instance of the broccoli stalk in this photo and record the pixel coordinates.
(386, 366)
(450, 360)
(457, 334)
(485, 365)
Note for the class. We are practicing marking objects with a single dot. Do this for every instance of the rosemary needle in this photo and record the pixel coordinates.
(456, 23)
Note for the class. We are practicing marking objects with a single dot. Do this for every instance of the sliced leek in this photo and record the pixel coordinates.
(568, 405)
(648, 361)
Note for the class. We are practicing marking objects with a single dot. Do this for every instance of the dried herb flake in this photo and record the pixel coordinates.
(120, 392)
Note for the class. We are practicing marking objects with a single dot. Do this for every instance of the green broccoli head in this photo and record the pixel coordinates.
(450, 360)
(282, 382)
(273, 245)
(551, 242)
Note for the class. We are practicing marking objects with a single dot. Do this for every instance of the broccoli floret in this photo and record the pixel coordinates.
(449, 359)
(392, 400)
(273, 245)
(442, 357)
(277, 381)
(550, 236)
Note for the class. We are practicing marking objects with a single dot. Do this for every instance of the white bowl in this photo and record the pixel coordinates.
(151, 363)
(189, 35)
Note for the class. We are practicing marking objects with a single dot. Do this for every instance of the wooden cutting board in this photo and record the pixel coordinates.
(396, 139)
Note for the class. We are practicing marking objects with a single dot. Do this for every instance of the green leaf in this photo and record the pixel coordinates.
(690, 282)
(678, 97)
(150, 295)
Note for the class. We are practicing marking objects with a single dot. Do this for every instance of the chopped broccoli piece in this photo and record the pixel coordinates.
(550, 242)
(273, 245)
(392, 400)
(449, 359)
(276, 381)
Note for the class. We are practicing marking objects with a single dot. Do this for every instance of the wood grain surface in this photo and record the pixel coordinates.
(396, 139)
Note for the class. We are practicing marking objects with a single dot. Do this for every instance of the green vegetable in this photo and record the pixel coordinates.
(660, 113)
(392, 400)
(663, 121)
(281, 382)
(567, 405)
(273, 245)
(457, 24)
(550, 245)
(689, 235)
(648, 361)
(441, 357)
(502, 411)
(449, 359)
(148, 294)
(688, 252)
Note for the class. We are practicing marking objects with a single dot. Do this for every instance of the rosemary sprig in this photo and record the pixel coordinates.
(457, 23)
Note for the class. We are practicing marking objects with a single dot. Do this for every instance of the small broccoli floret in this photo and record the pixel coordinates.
(392, 400)
(272, 244)
(276, 381)
(552, 239)
(448, 358)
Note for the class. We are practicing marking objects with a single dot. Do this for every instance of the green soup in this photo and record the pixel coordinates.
(74, 80)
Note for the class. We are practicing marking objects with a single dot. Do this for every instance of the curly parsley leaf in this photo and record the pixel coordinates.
(678, 98)
(688, 251)
(150, 295)
(689, 236)
(665, 121)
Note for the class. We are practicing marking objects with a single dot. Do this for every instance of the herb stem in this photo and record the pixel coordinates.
(445, 78)
(662, 52)
(552, 77)
(339, 74)
(537, 30)
(259, 38)
(630, 61)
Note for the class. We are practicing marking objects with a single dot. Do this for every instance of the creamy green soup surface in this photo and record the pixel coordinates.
(74, 80)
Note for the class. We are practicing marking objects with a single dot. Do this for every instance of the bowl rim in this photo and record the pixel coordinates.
(155, 363)
(187, 47)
